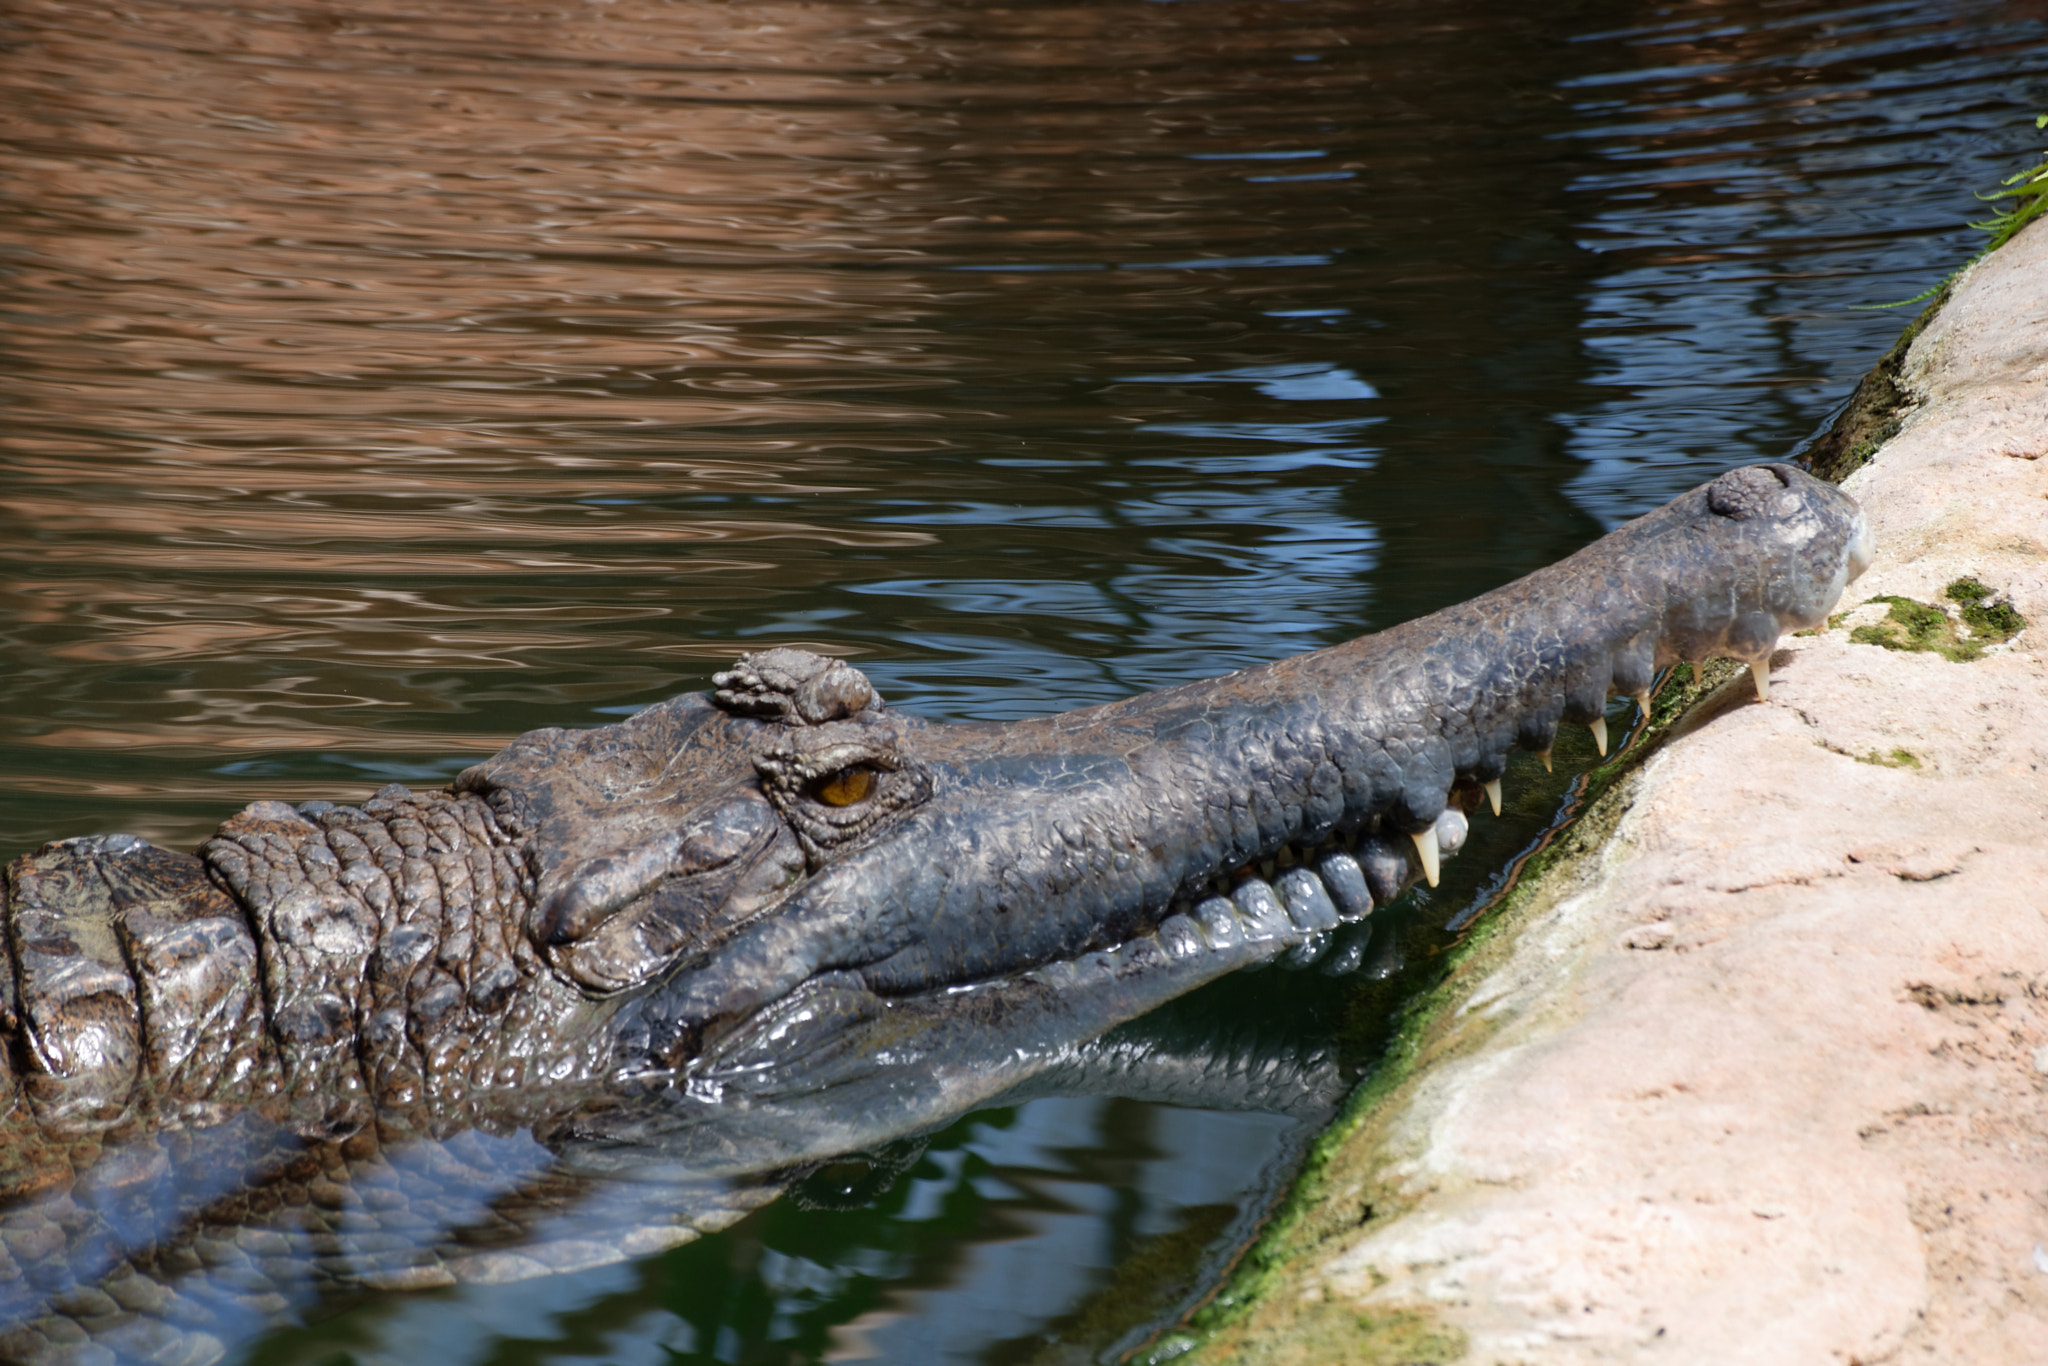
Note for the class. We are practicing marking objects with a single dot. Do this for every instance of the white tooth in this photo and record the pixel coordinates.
(1643, 704)
(1344, 881)
(1259, 912)
(1544, 755)
(1179, 937)
(1307, 901)
(1760, 672)
(1493, 795)
(1599, 729)
(1286, 859)
(1267, 869)
(1216, 918)
(1425, 846)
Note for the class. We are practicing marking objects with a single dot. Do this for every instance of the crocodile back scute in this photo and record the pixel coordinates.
(135, 993)
(399, 979)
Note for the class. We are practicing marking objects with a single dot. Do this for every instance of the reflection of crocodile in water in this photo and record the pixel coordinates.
(735, 935)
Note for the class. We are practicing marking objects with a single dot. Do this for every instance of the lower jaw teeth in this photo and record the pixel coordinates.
(1323, 903)
(1326, 894)
(1307, 901)
(1260, 913)
(1307, 951)
(1347, 949)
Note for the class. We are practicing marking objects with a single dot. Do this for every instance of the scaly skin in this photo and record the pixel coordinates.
(750, 931)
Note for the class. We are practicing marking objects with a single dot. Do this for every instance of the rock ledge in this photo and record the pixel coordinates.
(1764, 1076)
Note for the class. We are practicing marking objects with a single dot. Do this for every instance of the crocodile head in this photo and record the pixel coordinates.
(777, 837)
(788, 875)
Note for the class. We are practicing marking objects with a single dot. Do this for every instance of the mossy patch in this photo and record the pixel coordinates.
(1919, 626)
(1327, 1334)
(1913, 626)
(1898, 758)
(1411, 1338)
(1988, 621)
(1874, 412)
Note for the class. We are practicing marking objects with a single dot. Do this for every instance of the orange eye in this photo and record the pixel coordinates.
(847, 787)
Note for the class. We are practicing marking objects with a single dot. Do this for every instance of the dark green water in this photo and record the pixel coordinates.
(377, 383)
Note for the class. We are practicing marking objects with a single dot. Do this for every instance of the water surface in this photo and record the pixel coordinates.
(381, 382)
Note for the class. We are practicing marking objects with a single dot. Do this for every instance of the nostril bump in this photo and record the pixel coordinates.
(1451, 830)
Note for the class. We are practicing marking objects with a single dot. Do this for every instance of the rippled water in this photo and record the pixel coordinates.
(377, 383)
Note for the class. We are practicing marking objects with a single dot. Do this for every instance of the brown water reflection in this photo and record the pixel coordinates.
(349, 347)
(379, 382)
(432, 300)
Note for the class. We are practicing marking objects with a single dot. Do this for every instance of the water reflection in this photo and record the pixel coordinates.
(1014, 1215)
(1760, 181)
(379, 384)
(435, 383)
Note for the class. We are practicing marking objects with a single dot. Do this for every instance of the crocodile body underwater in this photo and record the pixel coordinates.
(743, 932)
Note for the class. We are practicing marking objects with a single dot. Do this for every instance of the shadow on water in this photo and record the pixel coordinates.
(380, 383)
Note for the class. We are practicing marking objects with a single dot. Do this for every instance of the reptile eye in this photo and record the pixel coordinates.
(847, 787)
(837, 783)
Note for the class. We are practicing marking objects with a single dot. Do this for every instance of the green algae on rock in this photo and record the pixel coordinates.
(1910, 625)
(1874, 412)
(1988, 620)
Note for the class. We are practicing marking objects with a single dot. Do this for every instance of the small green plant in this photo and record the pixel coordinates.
(1990, 623)
(1909, 625)
(1966, 590)
(1913, 626)
(1898, 758)
(2028, 193)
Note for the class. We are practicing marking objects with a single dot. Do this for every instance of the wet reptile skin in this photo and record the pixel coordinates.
(739, 933)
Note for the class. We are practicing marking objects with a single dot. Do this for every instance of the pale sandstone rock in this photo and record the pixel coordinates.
(1773, 1087)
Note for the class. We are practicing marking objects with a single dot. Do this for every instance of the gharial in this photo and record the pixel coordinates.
(738, 933)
